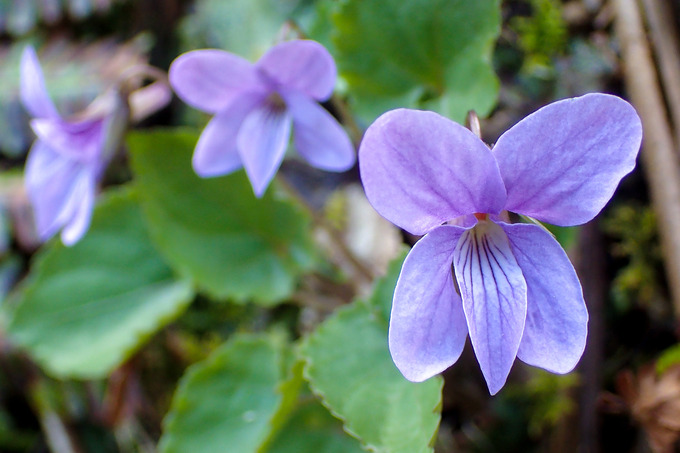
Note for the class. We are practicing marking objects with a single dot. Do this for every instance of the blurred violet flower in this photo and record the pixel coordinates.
(257, 105)
(70, 154)
(510, 286)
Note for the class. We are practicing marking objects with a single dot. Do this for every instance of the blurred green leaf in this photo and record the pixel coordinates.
(312, 428)
(542, 36)
(245, 27)
(229, 402)
(433, 54)
(87, 308)
(349, 366)
(668, 358)
(214, 230)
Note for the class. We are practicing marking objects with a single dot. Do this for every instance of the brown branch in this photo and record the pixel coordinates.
(658, 154)
(665, 39)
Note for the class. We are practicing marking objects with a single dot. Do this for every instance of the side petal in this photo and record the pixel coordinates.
(420, 169)
(318, 137)
(262, 142)
(216, 152)
(557, 319)
(51, 183)
(427, 325)
(33, 92)
(209, 80)
(494, 297)
(562, 163)
(301, 65)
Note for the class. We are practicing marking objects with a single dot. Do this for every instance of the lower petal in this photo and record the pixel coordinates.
(427, 325)
(52, 183)
(494, 297)
(262, 142)
(557, 319)
(216, 152)
(319, 138)
(78, 224)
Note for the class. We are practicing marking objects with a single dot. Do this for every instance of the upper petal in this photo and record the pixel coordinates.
(216, 152)
(79, 140)
(420, 169)
(318, 137)
(210, 79)
(494, 297)
(301, 65)
(562, 163)
(262, 142)
(557, 319)
(427, 325)
(34, 94)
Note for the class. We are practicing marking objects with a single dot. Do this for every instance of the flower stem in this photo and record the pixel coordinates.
(360, 270)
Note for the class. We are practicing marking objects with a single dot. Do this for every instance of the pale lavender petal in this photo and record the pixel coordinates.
(557, 319)
(216, 151)
(420, 169)
(52, 183)
(427, 326)
(81, 140)
(318, 137)
(209, 80)
(301, 65)
(262, 142)
(76, 227)
(33, 92)
(494, 297)
(562, 163)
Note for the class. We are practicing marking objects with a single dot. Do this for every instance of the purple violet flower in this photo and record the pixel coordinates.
(511, 286)
(255, 107)
(66, 161)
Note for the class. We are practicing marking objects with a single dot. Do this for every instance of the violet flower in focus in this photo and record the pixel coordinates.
(257, 105)
(67, 159)
(510, 286)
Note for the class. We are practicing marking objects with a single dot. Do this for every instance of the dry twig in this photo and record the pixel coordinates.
(658, 154)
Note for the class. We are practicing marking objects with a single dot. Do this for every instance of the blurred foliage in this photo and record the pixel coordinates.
(542, 35)
(545, 397)
(245, 27)
(639, 282)
(18, 18)
(668, 358)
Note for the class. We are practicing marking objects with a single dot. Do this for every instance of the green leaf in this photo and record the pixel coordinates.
(229, 402)
(433, 54)
(311, 428)
(86, 308)
(245, 27)
(214, 230)
(668, 358)
(349, 366)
